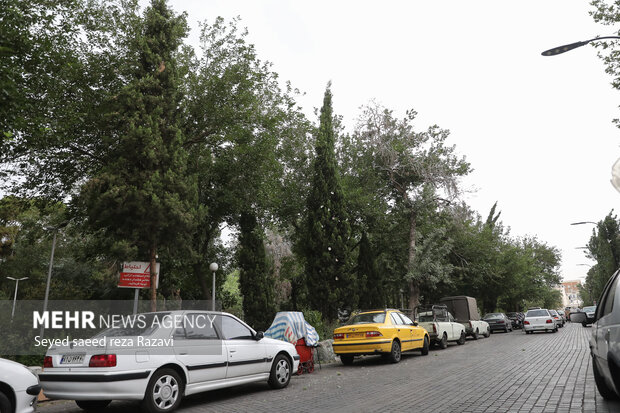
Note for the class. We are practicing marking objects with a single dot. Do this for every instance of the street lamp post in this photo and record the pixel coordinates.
(17, 280)
(213, 267)
(567, 47)
(49, 271)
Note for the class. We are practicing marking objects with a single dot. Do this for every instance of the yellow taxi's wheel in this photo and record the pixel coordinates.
(395, 353)
(425, 347)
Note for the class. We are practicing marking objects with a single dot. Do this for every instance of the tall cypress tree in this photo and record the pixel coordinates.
(370, 280)
(141, 198)
(328, 273)
(254, 281)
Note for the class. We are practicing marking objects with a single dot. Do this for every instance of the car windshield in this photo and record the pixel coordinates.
(492, 315)
(553, 312)
(511, 314)
(537, 313)
(364, 318)
(590, 309)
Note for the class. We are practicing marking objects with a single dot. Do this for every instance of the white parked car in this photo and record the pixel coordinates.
(19, 388)
(161, 360)
(440, 325)
(539, 320)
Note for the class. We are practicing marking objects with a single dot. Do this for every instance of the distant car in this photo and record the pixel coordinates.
(19, 388)
(557, 317)
(498, 322)
(387, 332)
(605, 340)
(589, 312)
(182, 353)
(515, 319)
(539, 320)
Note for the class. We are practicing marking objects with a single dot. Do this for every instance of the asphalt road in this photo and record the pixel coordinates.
(508, 372)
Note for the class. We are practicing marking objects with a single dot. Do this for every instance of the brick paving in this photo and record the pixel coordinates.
(508, 372)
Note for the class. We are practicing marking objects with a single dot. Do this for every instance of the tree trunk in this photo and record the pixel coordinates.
(153, 277)
(202, 280)
(414, 287)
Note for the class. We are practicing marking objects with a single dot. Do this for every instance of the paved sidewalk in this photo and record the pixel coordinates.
(508, 372)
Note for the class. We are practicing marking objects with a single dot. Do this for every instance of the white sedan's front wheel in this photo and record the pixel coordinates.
(164, 392)
(280, 372)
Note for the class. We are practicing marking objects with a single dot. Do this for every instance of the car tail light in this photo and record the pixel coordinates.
(434, 328)
(500, 322)
(549, 321)
(470, 325)
(103, 360)
(338, 336)
(526, 322)
(373, 334)
(47, 362)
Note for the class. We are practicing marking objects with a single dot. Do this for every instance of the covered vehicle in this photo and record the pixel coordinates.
(465, 311)
(386, 332)
(291, 326)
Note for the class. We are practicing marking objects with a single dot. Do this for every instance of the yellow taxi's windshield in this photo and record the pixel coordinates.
(364, 318)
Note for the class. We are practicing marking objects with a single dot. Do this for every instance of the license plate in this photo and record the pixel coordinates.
(355, 335)
(72, 359)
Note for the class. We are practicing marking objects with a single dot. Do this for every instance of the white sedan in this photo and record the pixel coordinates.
(164, 356)
(19, 388)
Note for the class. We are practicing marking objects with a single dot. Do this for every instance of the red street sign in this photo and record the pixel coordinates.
(137, 275)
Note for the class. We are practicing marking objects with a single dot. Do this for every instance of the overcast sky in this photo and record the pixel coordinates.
(537, 131)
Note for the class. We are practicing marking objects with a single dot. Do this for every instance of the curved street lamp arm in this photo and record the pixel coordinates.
(567, 47)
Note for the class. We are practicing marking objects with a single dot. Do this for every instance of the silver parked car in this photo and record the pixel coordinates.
(605, 340)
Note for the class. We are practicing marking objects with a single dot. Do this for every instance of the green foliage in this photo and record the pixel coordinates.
(255, 284)
(604, 248)
(247, 135)
(143, 193)
(370, 279)
(324, 328)
(230, 293)
(326, 241)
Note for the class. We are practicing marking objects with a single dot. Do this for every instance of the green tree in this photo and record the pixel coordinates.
(246, 136)
(255, 284)
(418, 172)
(370, 279)
(330, 281)
(142, 196)
(61, 60)
(604, 248)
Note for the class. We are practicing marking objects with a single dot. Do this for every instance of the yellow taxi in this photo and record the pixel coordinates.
(387, 332)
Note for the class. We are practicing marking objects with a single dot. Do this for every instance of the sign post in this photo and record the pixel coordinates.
(136, 274)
